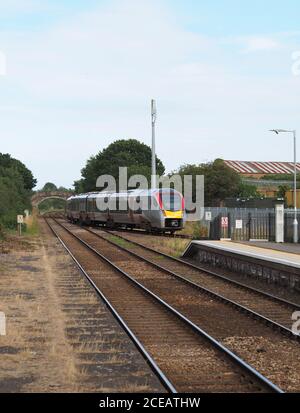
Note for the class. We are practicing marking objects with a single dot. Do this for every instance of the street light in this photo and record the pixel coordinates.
(295, 223)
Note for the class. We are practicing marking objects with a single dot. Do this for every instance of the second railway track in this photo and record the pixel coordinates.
(270, 307)
(192, 359)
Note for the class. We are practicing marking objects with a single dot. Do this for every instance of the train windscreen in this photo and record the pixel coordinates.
(171, 201)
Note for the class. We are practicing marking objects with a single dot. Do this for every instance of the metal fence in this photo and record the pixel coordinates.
(244, 224)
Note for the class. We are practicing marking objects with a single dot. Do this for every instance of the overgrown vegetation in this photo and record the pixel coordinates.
(31, 226)
(16, 184)
(220, 182)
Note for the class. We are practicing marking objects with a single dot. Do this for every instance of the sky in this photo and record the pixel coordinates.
(75, 75)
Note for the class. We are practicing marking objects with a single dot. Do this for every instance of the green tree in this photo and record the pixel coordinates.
(281, 193)
(6, 161)
(220, 181)
(14, 193)
(248, 191)
(49, 187)
(134, 155)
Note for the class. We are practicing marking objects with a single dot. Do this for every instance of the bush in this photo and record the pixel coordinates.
(199, 231)
(15, 190)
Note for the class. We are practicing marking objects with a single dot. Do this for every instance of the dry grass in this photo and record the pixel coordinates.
(32, 227)
(44, 343)
(171, 246)
(195, 230)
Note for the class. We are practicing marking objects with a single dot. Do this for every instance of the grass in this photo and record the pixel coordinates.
(171, 246)
(52, 210)
(195, 230)
(2, 234)
(174, 247)
(32, 226)
(119, 241)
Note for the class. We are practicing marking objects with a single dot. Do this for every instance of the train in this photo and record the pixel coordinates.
(154, 210)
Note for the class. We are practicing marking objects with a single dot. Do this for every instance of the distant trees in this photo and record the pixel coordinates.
(220, 181)
(131, 153)
(248, 191)
(49, 187)
(16, 184)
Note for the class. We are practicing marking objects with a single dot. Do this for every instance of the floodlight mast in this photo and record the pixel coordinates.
(153, 163)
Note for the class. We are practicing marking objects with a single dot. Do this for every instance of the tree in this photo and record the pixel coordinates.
(134, 155)
(15, 189)
(6, 161)
(49, 187)
(282, 189)
(220, 181)
(248, 191)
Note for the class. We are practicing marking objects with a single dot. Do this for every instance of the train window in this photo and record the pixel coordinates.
(171, 201)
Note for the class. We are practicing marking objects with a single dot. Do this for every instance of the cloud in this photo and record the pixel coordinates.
(263, 43)
(74, 87)
(22, 6)
(255, 43)
(3, 64)
(258, 44)
(128, 48)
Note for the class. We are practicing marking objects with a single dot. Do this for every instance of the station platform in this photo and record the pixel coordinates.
(276, 263)
(284, 247)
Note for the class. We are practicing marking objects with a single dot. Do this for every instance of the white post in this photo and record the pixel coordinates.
(295, 223)
(279, 223)
(153, 163)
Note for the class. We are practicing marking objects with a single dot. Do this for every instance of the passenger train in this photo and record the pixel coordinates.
(157, 210)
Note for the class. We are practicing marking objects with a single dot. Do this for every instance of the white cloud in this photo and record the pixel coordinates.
(75, 87)
(257, 44)
(263, 43)
(3, 64)
(126, 49)
(24, 6)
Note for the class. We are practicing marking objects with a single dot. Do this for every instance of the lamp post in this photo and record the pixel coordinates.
(153, 168)
(295, 222)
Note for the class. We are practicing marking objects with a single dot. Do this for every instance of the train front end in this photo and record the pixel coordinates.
(171, 203)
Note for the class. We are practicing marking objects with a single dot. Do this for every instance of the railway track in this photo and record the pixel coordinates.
(271, 309)
(142, 232)
(183, 355)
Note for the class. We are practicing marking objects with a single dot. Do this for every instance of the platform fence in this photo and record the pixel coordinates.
(245, 224)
